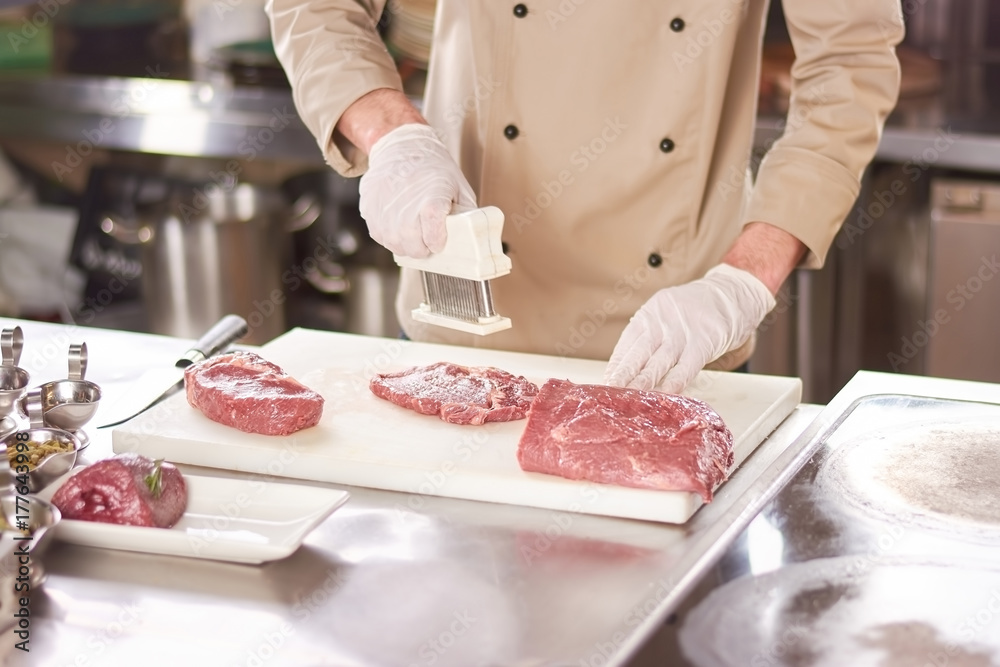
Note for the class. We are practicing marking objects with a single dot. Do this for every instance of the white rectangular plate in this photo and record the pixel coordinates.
(242, 521)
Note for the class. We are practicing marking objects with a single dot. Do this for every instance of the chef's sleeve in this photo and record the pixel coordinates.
(333, 55)
(845, 81)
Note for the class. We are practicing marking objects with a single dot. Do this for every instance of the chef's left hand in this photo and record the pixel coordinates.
(683, 328)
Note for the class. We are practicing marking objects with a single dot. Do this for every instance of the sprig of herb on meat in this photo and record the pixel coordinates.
(154, 481)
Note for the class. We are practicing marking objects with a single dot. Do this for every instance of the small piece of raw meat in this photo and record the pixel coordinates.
(243, 390)
(115, 491)
(458, 394)
(628, 437)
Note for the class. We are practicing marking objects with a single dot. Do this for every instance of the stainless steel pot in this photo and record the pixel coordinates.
(212, 250)
(338, 258)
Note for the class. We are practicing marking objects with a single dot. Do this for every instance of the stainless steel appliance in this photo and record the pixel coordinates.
(211, 249)
(350, 277)
(958, 336)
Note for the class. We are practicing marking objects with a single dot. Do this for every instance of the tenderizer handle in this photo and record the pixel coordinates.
(473, 250)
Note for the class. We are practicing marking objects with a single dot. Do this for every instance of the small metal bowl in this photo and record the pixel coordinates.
(13, 380)
(13, 383)
(69, 404)
(52, 467)
(40, 516)
(7, 426)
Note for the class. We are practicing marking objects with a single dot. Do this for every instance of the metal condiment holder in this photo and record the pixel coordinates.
(11, 344)
(33, 408)
(13, 379)
(69, 404)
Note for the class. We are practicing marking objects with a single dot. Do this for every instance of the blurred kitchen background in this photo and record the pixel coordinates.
(154, 175)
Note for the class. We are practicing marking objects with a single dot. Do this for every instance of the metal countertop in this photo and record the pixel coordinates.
(882, 547)
(388, 579)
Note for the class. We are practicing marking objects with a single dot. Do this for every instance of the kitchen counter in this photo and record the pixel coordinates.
(862, 558)
(218, 120)
(388, 579)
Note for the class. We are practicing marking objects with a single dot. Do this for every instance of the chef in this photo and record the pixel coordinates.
(616, 138)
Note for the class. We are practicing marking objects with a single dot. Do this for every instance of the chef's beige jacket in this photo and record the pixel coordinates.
(615, 135)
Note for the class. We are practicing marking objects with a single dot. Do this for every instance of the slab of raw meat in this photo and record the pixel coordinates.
(628, 437)
(115, 491)
(243, 390)
(458, 394)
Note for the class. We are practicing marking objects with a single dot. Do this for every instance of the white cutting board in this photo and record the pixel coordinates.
(363, 440)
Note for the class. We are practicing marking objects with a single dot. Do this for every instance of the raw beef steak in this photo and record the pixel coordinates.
(115, 490)
(459, 395)
(243, 390)
(642, 439)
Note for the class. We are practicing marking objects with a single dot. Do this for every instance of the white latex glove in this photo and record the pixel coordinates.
(683, 328)
(411, 184)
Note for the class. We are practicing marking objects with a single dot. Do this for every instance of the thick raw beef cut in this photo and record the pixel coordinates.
(628, 437)
(243, 390)
(115, 491)
(458, 394)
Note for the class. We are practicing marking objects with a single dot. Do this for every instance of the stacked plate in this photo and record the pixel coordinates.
(411, 28)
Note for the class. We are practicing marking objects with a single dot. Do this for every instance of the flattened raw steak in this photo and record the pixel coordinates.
(115, 491)
(243, 390)
(642, 439)
(458, 394)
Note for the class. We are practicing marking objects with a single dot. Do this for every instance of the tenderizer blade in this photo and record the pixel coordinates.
(457, 291)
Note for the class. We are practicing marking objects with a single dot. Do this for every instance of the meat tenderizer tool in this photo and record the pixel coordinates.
(456, 283)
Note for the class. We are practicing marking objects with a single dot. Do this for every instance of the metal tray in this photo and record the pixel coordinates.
(883, 544)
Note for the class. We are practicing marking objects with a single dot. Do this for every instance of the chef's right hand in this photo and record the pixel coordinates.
(411, 184)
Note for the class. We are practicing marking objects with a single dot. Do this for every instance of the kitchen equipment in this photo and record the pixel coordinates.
(369, 296)
(957, 336)
(13, 379)
(41, 517)
(355, 279)
(112, 268)
(69, 404)
(457, 291)
(212, 249)
(150, 388)
(6, 476)
(211, 28)
(54, 465)
(250, 63)
(118, 37)
(366, 441)
(24, 523)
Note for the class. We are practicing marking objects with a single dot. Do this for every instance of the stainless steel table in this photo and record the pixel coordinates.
(384, 580)
(882, 547)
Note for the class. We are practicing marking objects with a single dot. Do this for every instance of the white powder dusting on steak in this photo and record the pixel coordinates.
(243, 390)
(458, 394)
